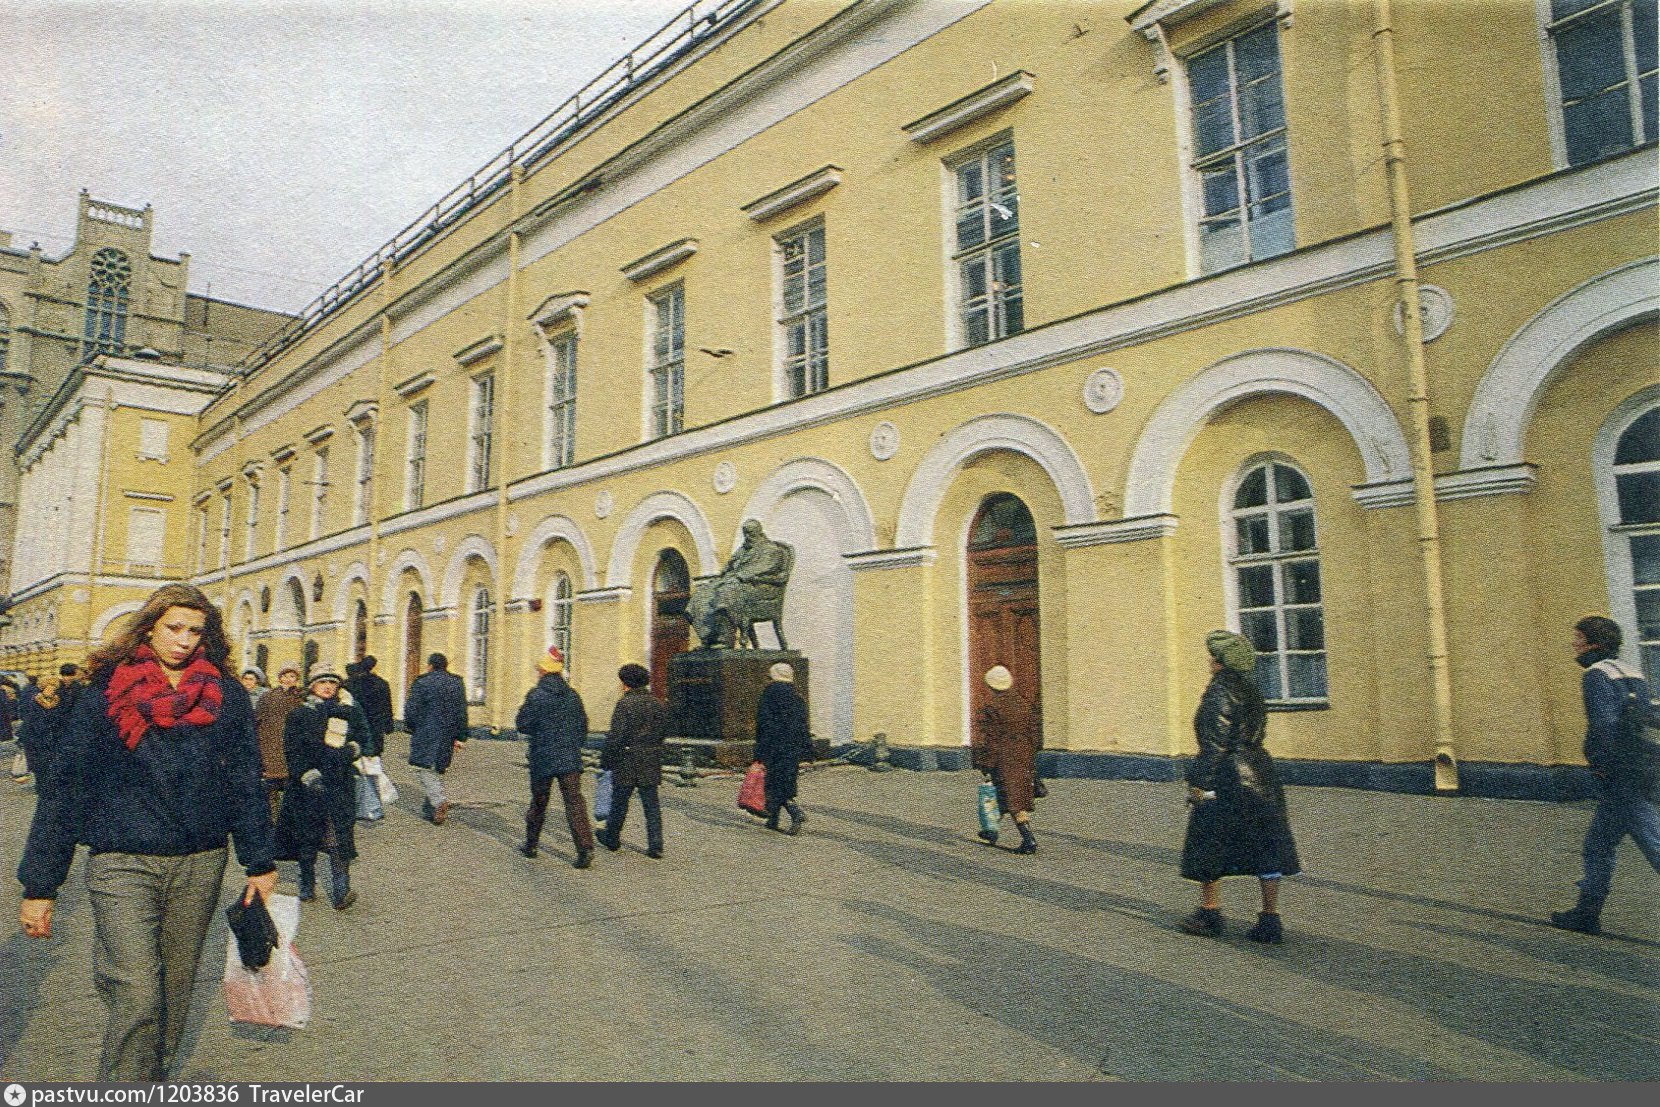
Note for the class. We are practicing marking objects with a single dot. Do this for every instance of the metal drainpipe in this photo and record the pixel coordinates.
(1423, 474)
(507, 657)
(392, 646)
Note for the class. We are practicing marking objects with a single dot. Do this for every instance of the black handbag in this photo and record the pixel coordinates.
(256, 933)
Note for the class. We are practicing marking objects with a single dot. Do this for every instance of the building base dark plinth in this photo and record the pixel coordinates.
(713, 693)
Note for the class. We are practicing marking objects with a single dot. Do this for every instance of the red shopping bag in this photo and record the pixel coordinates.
(752, 797)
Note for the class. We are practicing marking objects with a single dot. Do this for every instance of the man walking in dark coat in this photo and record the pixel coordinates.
(782, 740)
(1614, 750)
(555, 724)
(374, 696)
(44, 709)
(322, 739)
(634, 755)
(436, 716)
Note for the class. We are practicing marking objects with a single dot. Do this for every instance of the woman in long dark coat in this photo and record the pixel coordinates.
(321, 741)
(1005, 747)
(782, 740)
(1237, 825)
(633, 754)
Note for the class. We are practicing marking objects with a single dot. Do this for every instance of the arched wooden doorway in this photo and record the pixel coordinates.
(671, 587)
(1003, 621)
(411, 641)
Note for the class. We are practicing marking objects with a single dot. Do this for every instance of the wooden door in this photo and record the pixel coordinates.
(1004, 624)
(411, 641)
(671, 587)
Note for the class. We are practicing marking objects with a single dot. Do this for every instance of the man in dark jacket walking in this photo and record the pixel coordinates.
(634, 755)
(782, 741)
(374, 696)
(555, 724)
(1613, 749)
(435, 714)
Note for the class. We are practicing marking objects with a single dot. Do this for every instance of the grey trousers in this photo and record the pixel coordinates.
(150, 917)
(432, 784)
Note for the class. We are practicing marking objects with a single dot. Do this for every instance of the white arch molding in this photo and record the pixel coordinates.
(110, 615)
(471, 547)
(357, 571)
(1019, 434)
(814, 473)
(660, 505)
(1350, 397)
(281, 605)
(555, 528)
(391, 600)
(1495, 429)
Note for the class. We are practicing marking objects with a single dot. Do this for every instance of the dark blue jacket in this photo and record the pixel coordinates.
(40, 729)
(435, 714)
(180, 791)
(1613, 751)
(555, 724)
(374, 696)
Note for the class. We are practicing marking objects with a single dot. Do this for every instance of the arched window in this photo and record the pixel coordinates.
(478, 653)
(107, 292)
(1274, 571)
(1637, 493)
(560, 603)
(5, 335)
(360, 631)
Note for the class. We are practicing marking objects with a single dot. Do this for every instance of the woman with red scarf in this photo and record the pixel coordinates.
(157, 765)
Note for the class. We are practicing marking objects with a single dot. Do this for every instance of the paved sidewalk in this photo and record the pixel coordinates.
(886, 943)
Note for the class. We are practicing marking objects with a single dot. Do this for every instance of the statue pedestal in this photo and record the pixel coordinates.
(713, 694)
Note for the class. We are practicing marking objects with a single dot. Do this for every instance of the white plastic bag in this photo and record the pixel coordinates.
(280, 993)
(371, 768)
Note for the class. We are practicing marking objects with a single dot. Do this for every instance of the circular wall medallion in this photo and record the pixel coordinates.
(80, 595)
(512, 525)
(438, 544)
(602, 504)
(726, 477)
(1435, 308)
(1103, 390)
(884, 440)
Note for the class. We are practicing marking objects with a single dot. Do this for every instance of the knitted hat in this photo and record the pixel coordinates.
(1233, 650)
(999, 679)
(782, 671)
(552, 662)
(257, 673)
(324, 670)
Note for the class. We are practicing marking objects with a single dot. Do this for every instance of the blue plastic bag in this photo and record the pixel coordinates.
(602, 797)
(989, 815)
(369, 808)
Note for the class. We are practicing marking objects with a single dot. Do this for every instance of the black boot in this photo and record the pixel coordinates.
(1205, 922)
(1585, 917)
(584, 858)
(1267, 930)
(1028, 844)
(989, 837)
(797, 817)
(772, 818)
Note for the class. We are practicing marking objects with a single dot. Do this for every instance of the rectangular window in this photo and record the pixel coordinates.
(285, 481)
(365, 474)
(152, 439)
(990, 295)
(319, 490)
(1605, 71)
(201, 538)
(251, 548)
(415, 458)
(1240, 150)
(803, 325)
(225, 529)
(561, 401)
(482, 421)
(668, 361)
(146, 528)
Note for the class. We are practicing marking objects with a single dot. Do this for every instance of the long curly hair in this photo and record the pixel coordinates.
(125, 644)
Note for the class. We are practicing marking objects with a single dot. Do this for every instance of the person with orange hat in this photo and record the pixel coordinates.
(555, 724)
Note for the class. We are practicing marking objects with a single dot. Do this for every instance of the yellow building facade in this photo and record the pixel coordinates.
(1047, 334)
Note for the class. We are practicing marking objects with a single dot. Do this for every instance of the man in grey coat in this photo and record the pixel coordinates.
(435, 715)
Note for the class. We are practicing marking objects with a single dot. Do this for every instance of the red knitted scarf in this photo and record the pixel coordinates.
(141, 697)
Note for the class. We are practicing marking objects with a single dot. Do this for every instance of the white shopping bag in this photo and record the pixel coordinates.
(280, 993)
(371, 768)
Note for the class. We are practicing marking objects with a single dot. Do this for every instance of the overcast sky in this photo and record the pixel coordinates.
(280, 141)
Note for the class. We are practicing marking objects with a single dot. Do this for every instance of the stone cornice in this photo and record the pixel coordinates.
(975, 106)
(478, 351)
(797, 192)
(660, 260)
(911, 558)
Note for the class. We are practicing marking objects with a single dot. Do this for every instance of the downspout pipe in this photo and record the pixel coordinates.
(507, 658)
(1418, 405)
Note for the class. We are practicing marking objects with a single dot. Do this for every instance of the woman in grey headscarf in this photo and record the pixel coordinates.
(1237, 825)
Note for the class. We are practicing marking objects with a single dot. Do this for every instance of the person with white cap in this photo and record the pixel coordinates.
(782, 740)
(555, 724)
(322, 740)
(1005, 743)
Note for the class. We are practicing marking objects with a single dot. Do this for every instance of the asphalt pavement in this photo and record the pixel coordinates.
(886, 943)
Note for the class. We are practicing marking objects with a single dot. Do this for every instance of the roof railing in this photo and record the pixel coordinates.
(680, 34)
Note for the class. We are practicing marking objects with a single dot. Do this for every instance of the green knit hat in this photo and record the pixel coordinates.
(1232, 650)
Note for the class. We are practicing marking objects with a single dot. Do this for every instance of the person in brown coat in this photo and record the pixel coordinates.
(1005, 745)
(634, 755)
(270, 716)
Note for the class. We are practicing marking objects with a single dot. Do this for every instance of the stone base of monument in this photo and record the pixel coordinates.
(713, 694)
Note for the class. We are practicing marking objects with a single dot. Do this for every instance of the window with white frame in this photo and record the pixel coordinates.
(362, 499)
(109, 284)
(803, 323)
(481, 422)
(560, 605)
(986, 249)
(561, 438)
(415, 458)
(1274, 563)
(146, 529)
(225, 529)
(1240, 152)
(201, 538)
(152, 439)
(478, 653)
(319, 490)
(1637, 494)
(1606, 67)
(250, 548)
(285, 484)
(668, 361)
(5, 335)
